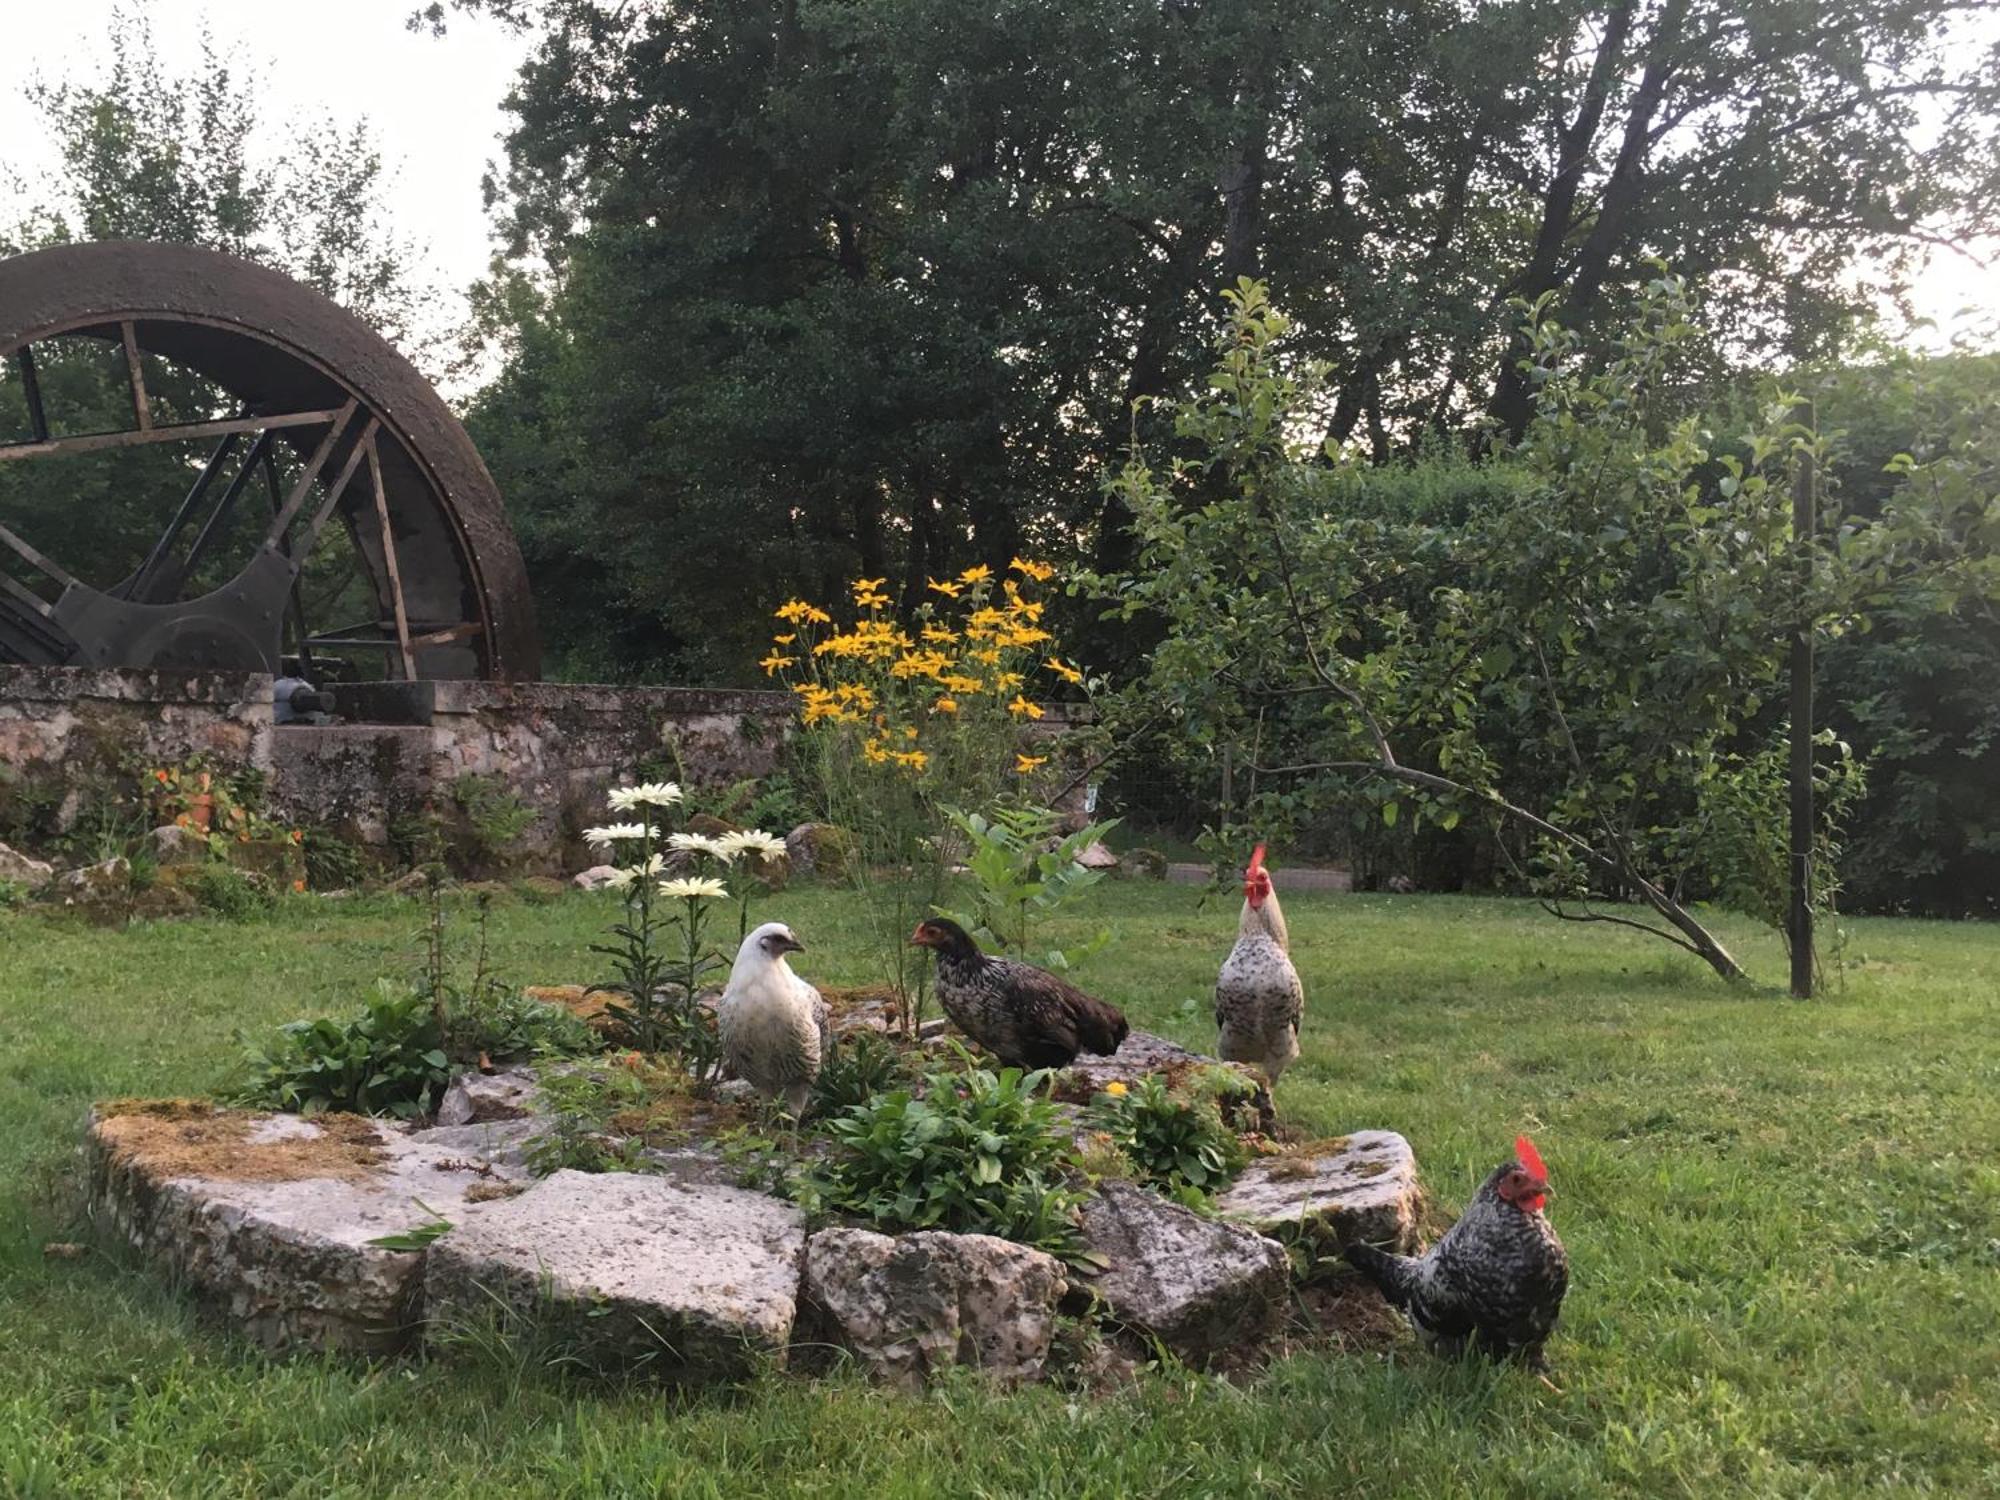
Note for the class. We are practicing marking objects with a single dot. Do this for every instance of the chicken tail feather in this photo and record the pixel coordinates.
(1100, 1028)
(1395, 1276)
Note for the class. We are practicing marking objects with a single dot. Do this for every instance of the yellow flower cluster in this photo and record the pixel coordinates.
(970, 645)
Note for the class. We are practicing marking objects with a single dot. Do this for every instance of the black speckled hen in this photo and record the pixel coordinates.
(1023, 1015)
(1497, 1277)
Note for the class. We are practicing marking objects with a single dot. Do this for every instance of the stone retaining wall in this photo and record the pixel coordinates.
(67, 734)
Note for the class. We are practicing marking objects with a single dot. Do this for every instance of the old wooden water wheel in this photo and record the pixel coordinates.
(189, 528)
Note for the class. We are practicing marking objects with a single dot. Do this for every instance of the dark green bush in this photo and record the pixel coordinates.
(507, 1024)
(390, 1060)
(860, 1068)
(1181, 1146)
(977, 1153)
(228, 892)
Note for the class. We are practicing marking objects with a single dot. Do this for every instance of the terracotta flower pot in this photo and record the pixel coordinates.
(201, 807)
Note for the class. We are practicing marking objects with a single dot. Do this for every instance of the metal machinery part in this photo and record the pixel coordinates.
(377, 446)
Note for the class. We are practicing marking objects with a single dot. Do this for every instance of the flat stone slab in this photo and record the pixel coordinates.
(1142, 1053)
(269, 1217)
(919, 1303)
(1360, 1187)
(636, 1273)
(1198, 1285)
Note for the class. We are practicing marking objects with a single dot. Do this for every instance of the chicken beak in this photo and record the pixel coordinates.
(917, 939)
(793, 945)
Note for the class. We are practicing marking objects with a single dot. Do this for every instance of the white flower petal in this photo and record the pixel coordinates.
(701, 843)
(611, 833)
(695, 889)
(657, 793)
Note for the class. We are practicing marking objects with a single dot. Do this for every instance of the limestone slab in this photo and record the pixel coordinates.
(1198, 1285)
(687, 1283)
(919, 1303)
(268, 1218)
(1361, 1187)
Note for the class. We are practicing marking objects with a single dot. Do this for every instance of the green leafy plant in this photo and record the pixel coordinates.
(418, 1236)
(495, 816)
(976, 1152)
(390, 1060)
(1179, 1145)
(860, 1068)
(228, 892)
(1024, 871)
(504, 1023)
(579, 1103)
(332, 862)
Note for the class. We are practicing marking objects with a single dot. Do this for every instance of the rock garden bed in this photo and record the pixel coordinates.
(344, 1232)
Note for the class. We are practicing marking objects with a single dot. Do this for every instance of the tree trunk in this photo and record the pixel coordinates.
(1512, 403)
(1628, 175)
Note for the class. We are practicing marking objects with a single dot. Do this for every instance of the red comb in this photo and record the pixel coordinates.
(1529, 1157)
(1256, 859)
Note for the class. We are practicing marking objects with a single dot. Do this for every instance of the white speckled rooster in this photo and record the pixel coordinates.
(1258, 999)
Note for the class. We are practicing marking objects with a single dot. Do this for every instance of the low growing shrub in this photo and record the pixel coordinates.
(228, 892)
(1180, 1146)
(859, 1068)
(507, 1024)
(977, 1153)
(389, 1060)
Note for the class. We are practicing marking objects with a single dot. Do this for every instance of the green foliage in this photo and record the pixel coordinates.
(229, 892)
(13, 893)
(1579, 673)
(504, 1023)
(579, 1103)
(332, 862)
(389, 1060)
(1025, 871)
(976, 1152)
(969, 269)
(1179, 1145)
(495, 818)
(1737, 812)
(861, 1067)
(418, 1236)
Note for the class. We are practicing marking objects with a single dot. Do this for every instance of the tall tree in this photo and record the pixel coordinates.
(875, 284)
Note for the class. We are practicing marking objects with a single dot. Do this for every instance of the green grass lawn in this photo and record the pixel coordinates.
(1783, 1222)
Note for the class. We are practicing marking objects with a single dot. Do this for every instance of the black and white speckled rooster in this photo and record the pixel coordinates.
(1259, 1001)
(1497, 1277)
(1023, 1015)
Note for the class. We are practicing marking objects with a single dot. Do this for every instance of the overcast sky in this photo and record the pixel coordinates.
(435, 107)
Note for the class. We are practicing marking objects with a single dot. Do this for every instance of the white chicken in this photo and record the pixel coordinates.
(772, 1023)
(1258, 998)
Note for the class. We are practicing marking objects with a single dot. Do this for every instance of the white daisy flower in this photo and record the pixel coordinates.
(706, 889)
(701, 843)
(656, 793)
(611, 833)
(622, 880)
(752, 841)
